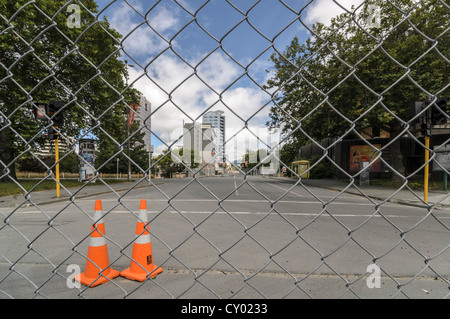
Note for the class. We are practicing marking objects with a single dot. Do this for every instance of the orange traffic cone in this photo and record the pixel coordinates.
(142, 257)
(97, 269)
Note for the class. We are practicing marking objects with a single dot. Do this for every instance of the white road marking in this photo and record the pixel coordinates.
(323, 214)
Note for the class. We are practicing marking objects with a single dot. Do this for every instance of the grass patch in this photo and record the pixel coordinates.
(11, 188)
(413, 184)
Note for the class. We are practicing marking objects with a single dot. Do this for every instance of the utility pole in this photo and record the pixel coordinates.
(427, 169)
(56, 112)
(426, 132)
(58, 188)
(129, 162)
(128, 126)
(53, 111)
(435, 115)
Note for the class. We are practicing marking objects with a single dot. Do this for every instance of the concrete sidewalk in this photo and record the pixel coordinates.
(380, 194)
(94, 189)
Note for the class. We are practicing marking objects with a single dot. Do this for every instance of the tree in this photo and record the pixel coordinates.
(289, 153)
(174, 162)
(253, 158)
(43, 59)
(164, 164)
(116, 146)
(190, 161)
(353, 74)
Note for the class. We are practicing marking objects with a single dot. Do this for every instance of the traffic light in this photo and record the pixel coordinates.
(439, 111)
(423, 119)
(416, 108)
(52, 134)
(425, 128)
(55, 112)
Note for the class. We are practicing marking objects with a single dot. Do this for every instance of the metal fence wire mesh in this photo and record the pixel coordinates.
(205, 110)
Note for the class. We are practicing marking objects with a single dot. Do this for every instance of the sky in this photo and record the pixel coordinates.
(180, 65)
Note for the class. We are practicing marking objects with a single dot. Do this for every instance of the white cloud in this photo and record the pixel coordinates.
(218, 71)
(193, 97)
(164, 19)
(172, 86)
(143, 40)
(323, 10)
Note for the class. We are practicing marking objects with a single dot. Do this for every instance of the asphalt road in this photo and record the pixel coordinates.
(229, 237)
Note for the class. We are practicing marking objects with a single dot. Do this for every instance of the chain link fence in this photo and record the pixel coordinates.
(284, 149)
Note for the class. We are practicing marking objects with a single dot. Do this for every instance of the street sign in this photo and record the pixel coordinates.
(40, 111)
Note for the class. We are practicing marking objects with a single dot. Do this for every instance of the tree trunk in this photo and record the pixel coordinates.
(397, 159)
(6, 157)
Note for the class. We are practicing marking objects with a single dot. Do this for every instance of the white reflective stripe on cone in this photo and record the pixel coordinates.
(142, 239)
(143, 217)
(98, 217)
(97, 241)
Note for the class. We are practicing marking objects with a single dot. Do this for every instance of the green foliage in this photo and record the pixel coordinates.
(109, 149)
(289, 153)
(165, 165)
(321, 168)
(254, 158)
(68, 163)
(349, 76)
(32, 164)
(43, 59)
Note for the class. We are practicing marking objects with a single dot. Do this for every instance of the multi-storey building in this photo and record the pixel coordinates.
(217, 121)
(199, 138)
(145, 123)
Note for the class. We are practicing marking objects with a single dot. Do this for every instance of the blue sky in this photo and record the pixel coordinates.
(173, 81)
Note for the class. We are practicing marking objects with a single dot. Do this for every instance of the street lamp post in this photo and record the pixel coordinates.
(128, 125)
